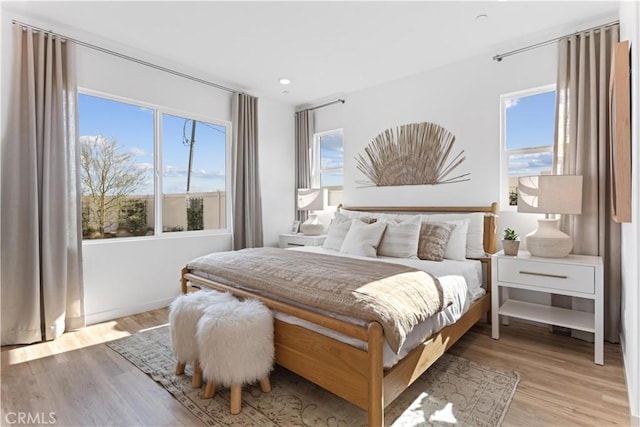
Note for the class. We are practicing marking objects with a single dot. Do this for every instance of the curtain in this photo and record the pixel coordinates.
(582, 148)
(304, 129)
(247, 201)
(41, 288)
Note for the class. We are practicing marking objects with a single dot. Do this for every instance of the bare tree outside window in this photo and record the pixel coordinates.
(108, 176)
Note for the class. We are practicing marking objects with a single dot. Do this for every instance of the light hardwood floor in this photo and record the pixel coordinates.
(84, 382)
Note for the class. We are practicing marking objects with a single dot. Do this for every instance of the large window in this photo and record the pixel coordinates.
(528, 121)
(328, 163)
(141, 166)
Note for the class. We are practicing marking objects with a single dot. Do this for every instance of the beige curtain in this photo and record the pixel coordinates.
(247, 201)
(304, 137)
(42, 294)
(582, 148)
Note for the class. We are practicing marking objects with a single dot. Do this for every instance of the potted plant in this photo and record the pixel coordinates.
(510, 242)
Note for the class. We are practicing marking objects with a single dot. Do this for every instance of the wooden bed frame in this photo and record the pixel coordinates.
(357, 375)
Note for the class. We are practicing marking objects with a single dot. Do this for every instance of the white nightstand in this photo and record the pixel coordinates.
(576, 275)
(289, 240)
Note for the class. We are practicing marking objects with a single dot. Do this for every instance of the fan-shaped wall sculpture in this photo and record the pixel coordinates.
(412, 154)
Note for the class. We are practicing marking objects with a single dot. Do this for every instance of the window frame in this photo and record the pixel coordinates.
(158, 111)
(316, 170)
(506, 153)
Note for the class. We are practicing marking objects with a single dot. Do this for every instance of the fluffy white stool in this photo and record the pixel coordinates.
(236, 347)
(184, 313)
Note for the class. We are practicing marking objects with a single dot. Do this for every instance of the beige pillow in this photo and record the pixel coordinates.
(400, 239)
(434, 237)
(475, 233)
(363, 239)
(337, 232)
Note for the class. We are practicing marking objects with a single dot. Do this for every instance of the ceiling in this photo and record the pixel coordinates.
(326, 48)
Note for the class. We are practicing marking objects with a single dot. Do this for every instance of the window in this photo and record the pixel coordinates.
(126, 162)
(193, 174)
(528, 121)
(328, 163)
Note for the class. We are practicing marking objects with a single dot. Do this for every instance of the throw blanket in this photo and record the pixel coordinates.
(396, 296)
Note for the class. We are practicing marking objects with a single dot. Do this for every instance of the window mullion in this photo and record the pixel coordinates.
(157, 172)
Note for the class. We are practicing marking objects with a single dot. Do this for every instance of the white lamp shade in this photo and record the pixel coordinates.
(312, 199)
(550, 194)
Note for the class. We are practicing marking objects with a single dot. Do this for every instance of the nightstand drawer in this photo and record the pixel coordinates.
(295, 240)
(576, 278)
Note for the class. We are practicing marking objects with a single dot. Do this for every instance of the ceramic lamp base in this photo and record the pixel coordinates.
(312, 227)
(548, 241)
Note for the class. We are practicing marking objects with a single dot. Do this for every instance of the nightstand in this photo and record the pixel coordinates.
(289, 240)
(576, 275)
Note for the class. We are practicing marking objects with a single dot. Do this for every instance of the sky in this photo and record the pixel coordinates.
(331, 156)
(132, 127)
(530, 122)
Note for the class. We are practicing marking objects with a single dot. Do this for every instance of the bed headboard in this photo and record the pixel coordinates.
(490, 218)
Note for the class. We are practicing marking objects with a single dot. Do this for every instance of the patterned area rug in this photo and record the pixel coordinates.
(453, 391)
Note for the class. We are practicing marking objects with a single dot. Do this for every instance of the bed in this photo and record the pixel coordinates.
(348, 358)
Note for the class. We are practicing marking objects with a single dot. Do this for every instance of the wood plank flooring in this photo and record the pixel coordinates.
(83, 382)
(559, 383)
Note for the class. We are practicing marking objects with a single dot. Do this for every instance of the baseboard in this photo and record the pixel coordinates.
(634, 419)
(104, 316)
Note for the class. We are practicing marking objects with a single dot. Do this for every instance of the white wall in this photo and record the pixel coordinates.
(140, 274)
(127, 276)
(630, 334)
(329, 118)
(464, 97)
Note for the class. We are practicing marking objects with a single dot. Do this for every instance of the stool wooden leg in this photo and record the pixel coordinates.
(236, 398)
(265, 385)
(196, 381)
(180, 368)
(210, 390)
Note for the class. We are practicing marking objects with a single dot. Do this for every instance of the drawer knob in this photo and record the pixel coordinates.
(532, 273)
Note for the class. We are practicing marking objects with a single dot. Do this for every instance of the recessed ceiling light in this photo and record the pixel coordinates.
(284, 81)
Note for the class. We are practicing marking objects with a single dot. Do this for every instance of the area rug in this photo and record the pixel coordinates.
(454, 391)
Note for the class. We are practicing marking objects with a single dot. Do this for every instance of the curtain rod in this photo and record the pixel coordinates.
(500, 56)
(127, 57)
(325, 105)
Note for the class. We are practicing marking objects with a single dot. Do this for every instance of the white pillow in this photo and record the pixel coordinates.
(338, 230)
(475, 234)
(456, 246)
(363, 239)
(400, 239)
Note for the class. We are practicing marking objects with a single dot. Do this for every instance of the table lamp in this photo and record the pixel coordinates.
(312, 199)
(549, 194)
